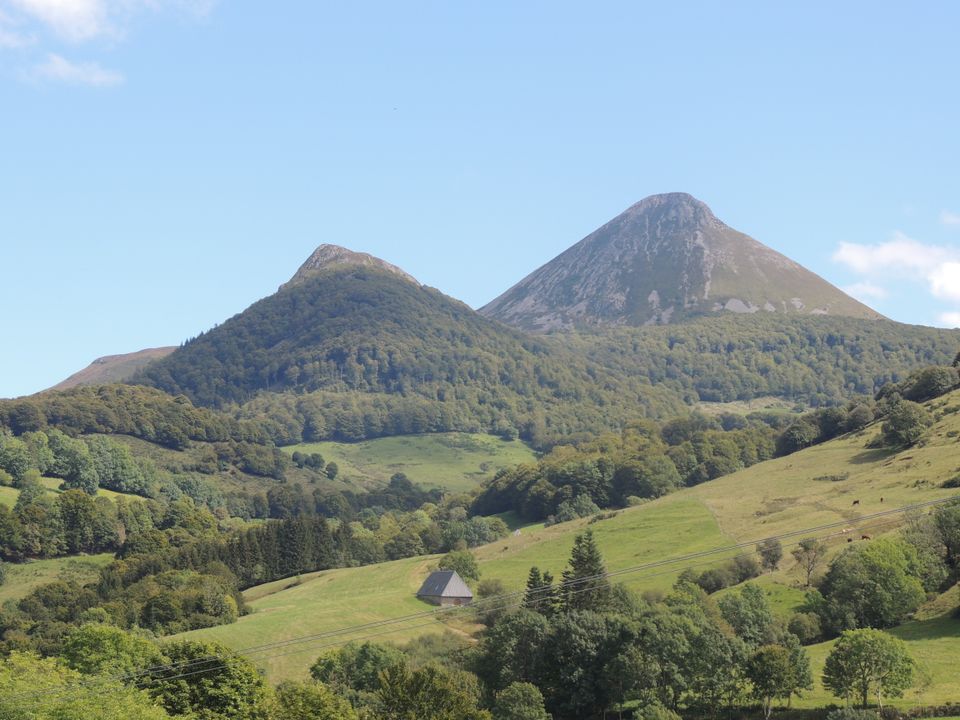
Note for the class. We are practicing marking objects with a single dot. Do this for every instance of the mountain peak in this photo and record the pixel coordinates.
(664, 259)
(327, 256)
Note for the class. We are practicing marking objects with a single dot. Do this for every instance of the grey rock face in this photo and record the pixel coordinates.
(665, 259)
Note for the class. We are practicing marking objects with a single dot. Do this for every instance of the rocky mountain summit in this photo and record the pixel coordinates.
(327, 256)
(665, 259)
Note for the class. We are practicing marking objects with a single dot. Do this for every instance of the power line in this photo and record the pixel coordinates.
(846, 524)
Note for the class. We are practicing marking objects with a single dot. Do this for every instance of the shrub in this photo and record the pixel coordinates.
(806, 626)
(852, 714)
(745, 567)
(656, 712)
(715, 579)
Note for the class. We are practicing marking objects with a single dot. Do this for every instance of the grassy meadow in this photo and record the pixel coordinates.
(451, 461)
(9, 495)
(779, 496)
(22, 578)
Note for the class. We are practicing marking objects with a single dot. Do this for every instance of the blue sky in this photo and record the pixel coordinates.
(164, 163)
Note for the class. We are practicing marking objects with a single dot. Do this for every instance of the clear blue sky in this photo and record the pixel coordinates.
(163, 163)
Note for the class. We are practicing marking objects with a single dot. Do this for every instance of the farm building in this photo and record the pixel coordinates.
(445, 587)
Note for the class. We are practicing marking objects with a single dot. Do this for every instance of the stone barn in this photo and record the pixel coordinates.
(445, 588)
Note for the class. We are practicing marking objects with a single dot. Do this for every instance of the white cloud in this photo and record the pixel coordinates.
(949, 219)
(904, 259)
(901, 253)
(80, 21)
(59, 69)
(84, 20)
(945, 281)
(865, 291)
(75, 20)
(950, 319)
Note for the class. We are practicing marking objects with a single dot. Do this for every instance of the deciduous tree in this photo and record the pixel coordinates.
(865, 662)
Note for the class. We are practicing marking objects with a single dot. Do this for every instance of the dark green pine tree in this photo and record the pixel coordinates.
(541, 594)
(550, 602)
(324, 551)
(296, 546)
(342, 543)
(270, 548)
(585, 586)
(533, 595)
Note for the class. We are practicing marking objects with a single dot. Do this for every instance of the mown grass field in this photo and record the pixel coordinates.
(452, 461)
(22, 578)
(772, 498)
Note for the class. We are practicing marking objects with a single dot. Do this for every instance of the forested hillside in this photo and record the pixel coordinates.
(820, 360)
(353, 352)
(369, 353)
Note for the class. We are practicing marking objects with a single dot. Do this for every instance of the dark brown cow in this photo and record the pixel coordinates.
(856, 502)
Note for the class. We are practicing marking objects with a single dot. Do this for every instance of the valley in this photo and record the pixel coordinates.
(651, 404)
(778, 496)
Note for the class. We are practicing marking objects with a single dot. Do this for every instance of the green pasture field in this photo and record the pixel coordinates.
(9, 495)
(22, 578)
(451, 461)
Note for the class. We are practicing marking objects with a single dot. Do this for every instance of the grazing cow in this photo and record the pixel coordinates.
(849, 539)
(864, 537)
(856, 502)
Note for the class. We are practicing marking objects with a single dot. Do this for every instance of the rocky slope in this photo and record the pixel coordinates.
(663, 260)
(330, 256)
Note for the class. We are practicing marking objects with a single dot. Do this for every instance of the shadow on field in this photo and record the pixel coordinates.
(872, 456)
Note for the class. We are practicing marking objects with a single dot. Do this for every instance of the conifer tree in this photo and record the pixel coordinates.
(532, 597)
(585, 586)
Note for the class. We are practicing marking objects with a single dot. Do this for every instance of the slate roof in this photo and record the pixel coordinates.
(444, 583)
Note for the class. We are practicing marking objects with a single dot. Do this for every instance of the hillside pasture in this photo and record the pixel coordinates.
(785, 495)
(23, 578)
(450, 461)
(9, 495)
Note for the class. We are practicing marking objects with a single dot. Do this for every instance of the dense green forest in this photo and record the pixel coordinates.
(140, 412)
(817, 360)
(356, 353)
(396, 358)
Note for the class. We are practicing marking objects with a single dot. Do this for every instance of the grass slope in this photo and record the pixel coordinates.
(22, 578)
(935, 646)
(771, 498)
(9, 495)
(451, 461)
(113, 368)
(334, 599)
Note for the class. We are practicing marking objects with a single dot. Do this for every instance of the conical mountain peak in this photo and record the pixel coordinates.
(328, 256)
(664, 259)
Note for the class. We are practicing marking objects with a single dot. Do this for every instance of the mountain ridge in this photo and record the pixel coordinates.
(664, 259)
(113, 368)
